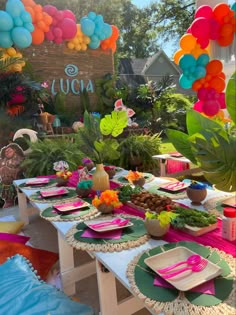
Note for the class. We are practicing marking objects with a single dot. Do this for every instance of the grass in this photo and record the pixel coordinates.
(166, 147)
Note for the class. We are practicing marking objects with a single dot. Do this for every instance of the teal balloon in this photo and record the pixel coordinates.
(21, 37)
(6, 21)
(233, 7)
(107, 30)
(18, 21)
(5, 40)
(187, 61)
(94, 38)
(87, 26)
(94, 44)
(26, 17)
(199, 72)
(184, 82)
(99, 19)
(29, 27)
(14, 7)
(92, 16)
(203, 60)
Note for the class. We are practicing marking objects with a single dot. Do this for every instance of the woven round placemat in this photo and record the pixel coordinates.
(71, 196)
(50, 214)
(175, 196)
(171, 301)
(123, 181)
(52, 183)
(132, 236)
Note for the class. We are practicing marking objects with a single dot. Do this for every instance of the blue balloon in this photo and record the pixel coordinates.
(18, 21)
(107, 30)
(184, 82)
(5, 40)
(14, 7)
(94, 44)
(200, 72)
(87, 27)
(99, 19)
(21, 37)
(26, 17)
(92, 16)
(29, 27)
(94, 38)
(187, 61)
(6, 22)
(203, 60)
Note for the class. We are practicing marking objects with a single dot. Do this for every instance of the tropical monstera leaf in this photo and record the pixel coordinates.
(231, 97)
(114, 124)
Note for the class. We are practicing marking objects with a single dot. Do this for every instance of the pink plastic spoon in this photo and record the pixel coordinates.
(192, 260)
(117, 221)
(194, 268)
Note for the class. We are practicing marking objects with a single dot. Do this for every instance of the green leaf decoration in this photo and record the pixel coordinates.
(114, 124)
(214, 258)
(231, 97)
(48, 213)
(225, 268)
(181, 143)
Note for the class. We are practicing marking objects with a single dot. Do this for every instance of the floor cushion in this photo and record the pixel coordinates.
(42, 260)
(22, 293)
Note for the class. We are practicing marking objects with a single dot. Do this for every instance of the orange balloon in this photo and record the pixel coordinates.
(196, 85)
(225, 41)
(214, 67)
(222, 75)
(31, 12)
(115, 32)
(226, 30)
(29, 3)
(218, 84)
(38, 8)
(178, 54)
(37, 36)
(187, 42)
(220, 11)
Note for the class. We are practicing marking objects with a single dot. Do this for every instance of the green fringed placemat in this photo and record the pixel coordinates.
(52, 182)
(171, 301)
(87, 213)
(132, 236)
(177, 195)
(71, 196)
(124, 181)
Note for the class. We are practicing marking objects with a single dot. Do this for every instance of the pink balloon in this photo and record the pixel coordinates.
(202, 93)
(69, 14)
(57, 32)
(221, 100)
(54, 22)
(198, 106)
(211, 108)
(200, 27)
(59, 15)
(204, 11)
(58, 40)
(214, 29)
(69, 28)
(50, 9)
(203, 42)
(49, 35)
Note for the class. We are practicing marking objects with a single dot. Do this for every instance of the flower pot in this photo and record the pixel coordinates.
(61, 181)
(111, 173)
(139, 182)
(103, 208)
(100, 179)
(154, 228)
(196, 195)
(83, 192)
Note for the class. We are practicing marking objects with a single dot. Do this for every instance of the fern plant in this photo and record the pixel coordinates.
(45, 152)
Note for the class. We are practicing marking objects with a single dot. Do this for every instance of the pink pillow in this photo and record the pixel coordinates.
(14, 238)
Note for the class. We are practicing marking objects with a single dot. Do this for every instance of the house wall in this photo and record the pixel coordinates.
(70, 71)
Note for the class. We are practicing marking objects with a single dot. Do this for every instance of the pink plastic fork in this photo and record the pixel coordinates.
(117, 221)
(191, 260)
(195, 268)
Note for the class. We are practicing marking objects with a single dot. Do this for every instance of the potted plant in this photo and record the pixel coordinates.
(111, 171)
(211, 143)
(107, 201)
(87, 162)
(158, 224)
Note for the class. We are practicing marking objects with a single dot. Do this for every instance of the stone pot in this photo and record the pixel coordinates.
(154, 228)
(103, 208)
(83, 192)
(196, 195)
(139, 182)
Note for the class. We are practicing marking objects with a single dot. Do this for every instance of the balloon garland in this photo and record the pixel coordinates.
(202, 75)
(24, 22)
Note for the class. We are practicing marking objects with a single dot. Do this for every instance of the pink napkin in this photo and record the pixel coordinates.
(114, 235)
(206, 288)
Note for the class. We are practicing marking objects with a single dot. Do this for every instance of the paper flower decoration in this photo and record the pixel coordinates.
(132, 176)
(107, 197)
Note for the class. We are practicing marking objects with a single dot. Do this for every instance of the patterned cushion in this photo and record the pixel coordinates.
(22, 293)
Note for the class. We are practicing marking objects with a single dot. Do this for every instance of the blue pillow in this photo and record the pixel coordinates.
(22, 293)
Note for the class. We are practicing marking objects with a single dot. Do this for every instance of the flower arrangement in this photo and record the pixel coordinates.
(86, 160)
(62, 169)
(164, 217)
(107, 197)
(132, 176)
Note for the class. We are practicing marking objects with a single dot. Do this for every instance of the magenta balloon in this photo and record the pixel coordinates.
(59, 16)
(214, 29)
(50, 9)
(54, 22)
(204, 11)
(58, 40)
(49, 35)
(211, 108)
(69, 14)
(203, 42)
(221, 100)
(69, 28)
(198, 106)
(202, 93)
(57, 32)
(200, 27)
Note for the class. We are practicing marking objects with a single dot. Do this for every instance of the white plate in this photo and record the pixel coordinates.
(186, 280)
(107, 228)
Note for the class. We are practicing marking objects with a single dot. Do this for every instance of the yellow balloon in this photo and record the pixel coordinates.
(17, 68)
(187, 42)
(75, 40)
(11, 51)
(83, 47)
(70, 45)
(78, 47)
(86, 40)
(179, 53)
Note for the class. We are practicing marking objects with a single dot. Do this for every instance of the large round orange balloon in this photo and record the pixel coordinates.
(225, 41)
(220, 11)
(187, 42)
(218, 84)
(37, 36)
(178, 54)
(214, 67)
(196, 85)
